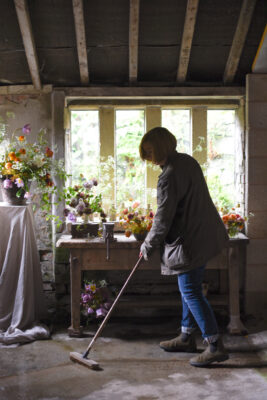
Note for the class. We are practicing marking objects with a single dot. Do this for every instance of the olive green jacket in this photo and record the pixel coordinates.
(185, 212)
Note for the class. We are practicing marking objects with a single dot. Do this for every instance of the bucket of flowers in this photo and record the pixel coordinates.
(81, 204)
(233, 222)
(22, 163)
(135, 220)
(96, 300)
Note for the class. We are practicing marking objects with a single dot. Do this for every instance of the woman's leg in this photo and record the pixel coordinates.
(196, 305)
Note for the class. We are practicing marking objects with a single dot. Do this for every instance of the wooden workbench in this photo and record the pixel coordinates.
(91, 254)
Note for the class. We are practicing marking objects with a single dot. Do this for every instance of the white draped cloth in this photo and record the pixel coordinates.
(22, 302)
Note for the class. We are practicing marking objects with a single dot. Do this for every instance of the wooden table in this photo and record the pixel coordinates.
(91, 254)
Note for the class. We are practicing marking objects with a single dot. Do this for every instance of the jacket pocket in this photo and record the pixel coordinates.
(173, 256)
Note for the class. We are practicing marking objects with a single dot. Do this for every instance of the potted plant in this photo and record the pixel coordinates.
(23, 162)
(81, 204)
(96, 299)
(135, 220)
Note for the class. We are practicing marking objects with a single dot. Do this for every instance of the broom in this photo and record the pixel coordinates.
(82, 358)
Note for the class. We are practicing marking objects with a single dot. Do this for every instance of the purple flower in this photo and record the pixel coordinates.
(8, 184)
(90, 310)
(88, 185)
(71, 217)
(85, 298)
(107, 305)
(101, 312)
(26, 129)
(19, 182)
(81, 206)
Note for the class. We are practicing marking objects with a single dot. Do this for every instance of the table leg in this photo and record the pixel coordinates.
(235, 325)
(75, 330)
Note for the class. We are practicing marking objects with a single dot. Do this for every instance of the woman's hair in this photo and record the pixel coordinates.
(162, 141)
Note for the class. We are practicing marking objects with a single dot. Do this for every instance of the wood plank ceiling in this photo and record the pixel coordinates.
(129, 42)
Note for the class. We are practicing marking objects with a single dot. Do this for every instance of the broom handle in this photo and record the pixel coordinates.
(111, 309)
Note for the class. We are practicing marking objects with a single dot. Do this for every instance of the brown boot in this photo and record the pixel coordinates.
(208, 356)
(177, 344)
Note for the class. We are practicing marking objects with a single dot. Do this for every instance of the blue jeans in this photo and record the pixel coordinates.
(196, 309)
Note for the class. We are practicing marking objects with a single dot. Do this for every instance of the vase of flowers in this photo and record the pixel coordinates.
(23, 162)
(80, 204)
(96, 300)
(233, 222)
(135, 220)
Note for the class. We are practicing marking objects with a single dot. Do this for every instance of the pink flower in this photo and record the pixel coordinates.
(19, 182)
(8, 184)
(136, 204)
(26, 129)
(27, 195)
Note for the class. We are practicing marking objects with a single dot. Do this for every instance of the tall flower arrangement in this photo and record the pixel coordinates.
(23, 162)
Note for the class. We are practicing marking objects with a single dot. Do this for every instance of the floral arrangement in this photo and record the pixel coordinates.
(81, 202)
(96, 299)
(233, 222)
(23, 162)
(136, 220)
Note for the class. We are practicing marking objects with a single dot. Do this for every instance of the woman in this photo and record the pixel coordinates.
(187, 225)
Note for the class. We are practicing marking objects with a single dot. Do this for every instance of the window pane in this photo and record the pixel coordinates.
(130, 170)
(84, 144)
(221, 157)
(178, 123)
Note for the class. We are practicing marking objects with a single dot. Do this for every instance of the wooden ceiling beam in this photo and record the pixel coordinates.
(133, 40)
(81, 40)
(28, 41)
(240, 35)
(188, 33)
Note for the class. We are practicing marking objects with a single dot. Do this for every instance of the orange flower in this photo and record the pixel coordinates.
(8, 165)
(22, 151)
(16, 159)
(21, 138)
(12, 156)
(128, 233)
(48, 152)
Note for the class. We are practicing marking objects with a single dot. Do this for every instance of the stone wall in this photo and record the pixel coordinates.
(256, 193)
(16, 110)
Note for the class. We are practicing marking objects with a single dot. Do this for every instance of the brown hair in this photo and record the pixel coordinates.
(163, 143)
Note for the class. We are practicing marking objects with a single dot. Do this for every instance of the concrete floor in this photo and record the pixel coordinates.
(133, 367)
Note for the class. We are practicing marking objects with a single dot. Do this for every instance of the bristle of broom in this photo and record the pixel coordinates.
(77, 357)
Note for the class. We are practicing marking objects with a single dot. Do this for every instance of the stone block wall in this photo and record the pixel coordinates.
(256, 193)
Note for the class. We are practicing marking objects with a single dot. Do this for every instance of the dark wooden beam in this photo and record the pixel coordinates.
(28, 41)
(188, 33)
(133, 40)
(239, 40)
(81, 40)
(150, 92)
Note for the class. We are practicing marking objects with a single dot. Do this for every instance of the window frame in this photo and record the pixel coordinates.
(152, 113)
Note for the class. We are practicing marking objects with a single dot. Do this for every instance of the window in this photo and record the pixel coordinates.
(209, 134)
(130, 170)
(178, 122)
(84, 144)
(221, 156)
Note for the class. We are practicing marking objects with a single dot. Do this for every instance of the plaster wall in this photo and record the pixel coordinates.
(256, 193)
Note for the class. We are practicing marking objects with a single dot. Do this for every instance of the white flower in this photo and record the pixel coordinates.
(38, 161)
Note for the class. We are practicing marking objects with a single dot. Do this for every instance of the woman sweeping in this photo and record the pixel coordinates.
(190, 232)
